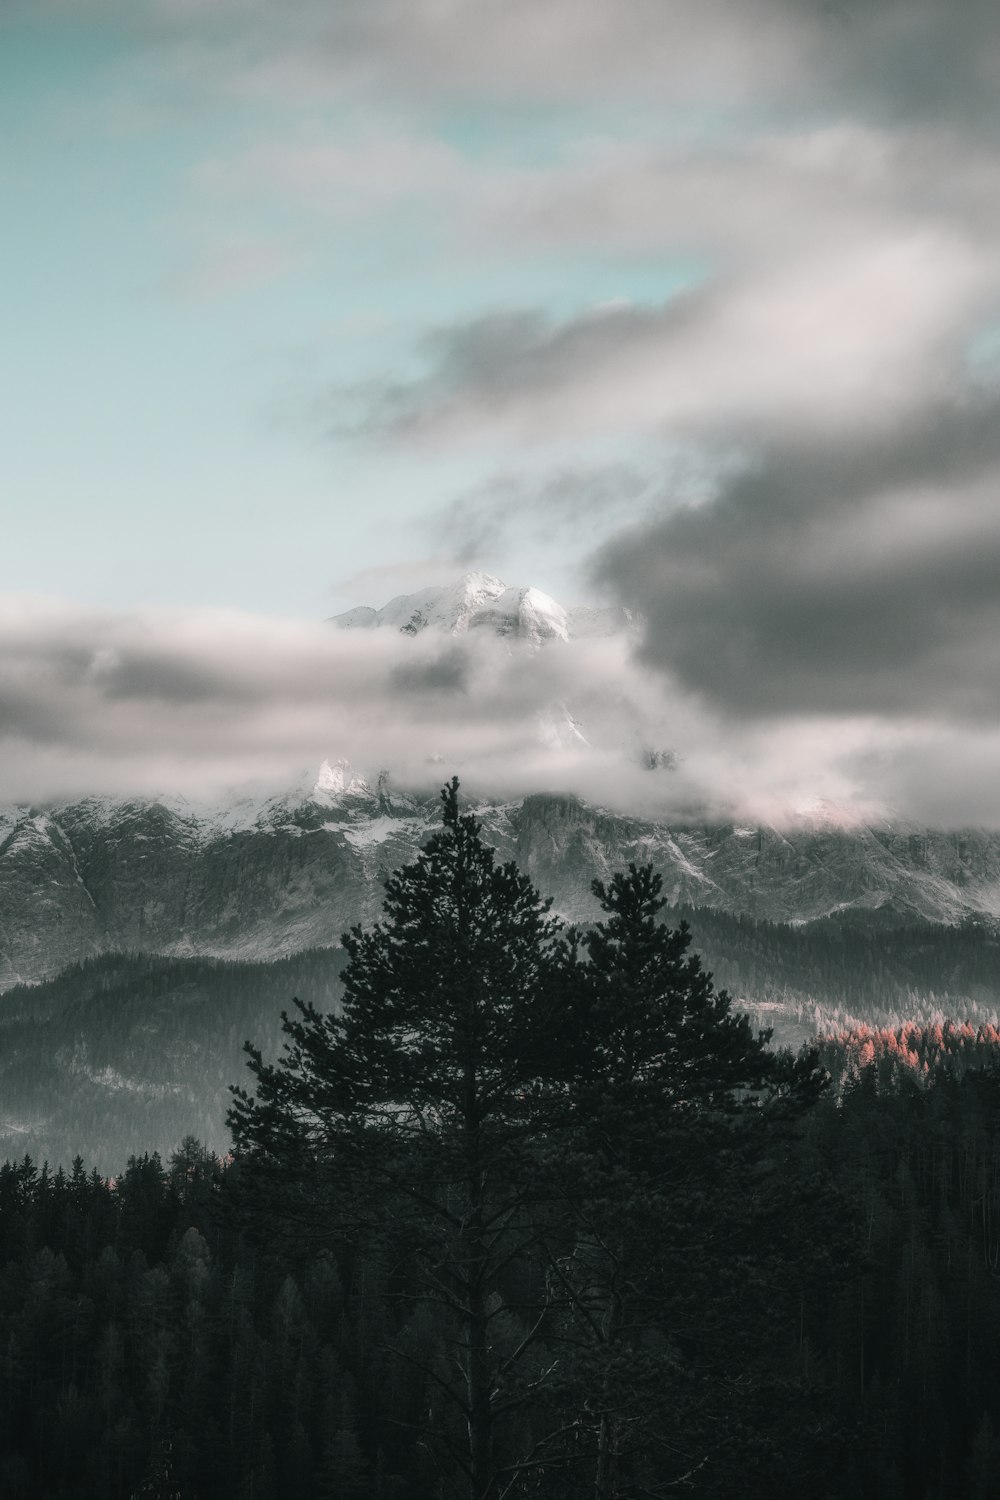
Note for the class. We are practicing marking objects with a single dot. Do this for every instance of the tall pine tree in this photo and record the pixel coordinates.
(422, 1100)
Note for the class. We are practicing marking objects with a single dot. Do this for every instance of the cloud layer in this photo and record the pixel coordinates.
(201, 702)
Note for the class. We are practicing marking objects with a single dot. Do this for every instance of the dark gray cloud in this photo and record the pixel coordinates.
(917, 58)
(163, 677)
(835, 578)
(445, 673)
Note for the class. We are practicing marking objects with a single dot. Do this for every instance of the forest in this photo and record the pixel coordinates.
(532, 1212)
(157, 1342)
(130, 1052)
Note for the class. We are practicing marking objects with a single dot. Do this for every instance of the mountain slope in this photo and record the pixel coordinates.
(257, 881)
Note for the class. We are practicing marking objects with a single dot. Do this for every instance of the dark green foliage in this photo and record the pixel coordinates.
(146, 1340)
(146, 1348)
(914, 1342)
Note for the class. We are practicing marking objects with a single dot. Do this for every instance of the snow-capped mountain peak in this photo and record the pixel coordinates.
(450, 608)
(526, 615)
(481, 601)
(332, 780)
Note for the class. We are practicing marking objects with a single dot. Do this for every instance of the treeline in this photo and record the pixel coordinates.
(156, 1342)
(149, 1349)
(913, 1352)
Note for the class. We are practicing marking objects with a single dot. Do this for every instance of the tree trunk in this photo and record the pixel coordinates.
(606, 1472)
(483, 1479)
(483, 1484)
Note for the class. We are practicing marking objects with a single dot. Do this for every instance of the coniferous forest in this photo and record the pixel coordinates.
(130, 1052)
(532, 1212)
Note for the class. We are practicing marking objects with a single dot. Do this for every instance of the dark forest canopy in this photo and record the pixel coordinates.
(157, 1342)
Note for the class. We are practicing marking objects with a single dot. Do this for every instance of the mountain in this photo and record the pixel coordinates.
(478, 601)
(255, 878)
(258, 880)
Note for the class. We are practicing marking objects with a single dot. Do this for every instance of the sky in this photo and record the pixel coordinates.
(693, 307)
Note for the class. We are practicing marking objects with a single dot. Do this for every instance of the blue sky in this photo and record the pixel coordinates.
(178, 333)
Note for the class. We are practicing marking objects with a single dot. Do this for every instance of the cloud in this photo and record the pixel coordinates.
(913, 58)
(835, 578)
(597, 499)
(744, 196)
(856, 338)
(447, 672)
(193, 701)
(230, 265)
(197, 702)
(820, 178)
(488, 49)
(338, 177)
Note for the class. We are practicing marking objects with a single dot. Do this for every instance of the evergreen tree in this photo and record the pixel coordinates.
(673, 1100)
(423, 1097)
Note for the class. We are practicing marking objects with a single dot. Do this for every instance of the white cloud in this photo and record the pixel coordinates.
(857, 336)
(199, 701)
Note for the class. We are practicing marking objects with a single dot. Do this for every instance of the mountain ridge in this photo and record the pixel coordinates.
(292, 873)
(482, 601)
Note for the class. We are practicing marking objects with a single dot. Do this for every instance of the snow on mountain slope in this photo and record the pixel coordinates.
(480, 601)
(526, 615)
(450, 608)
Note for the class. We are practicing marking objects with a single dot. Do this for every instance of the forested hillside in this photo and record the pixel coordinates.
(129, 1052)
(859, 968)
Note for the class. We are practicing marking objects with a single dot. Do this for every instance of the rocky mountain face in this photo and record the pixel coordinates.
(258, 881)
